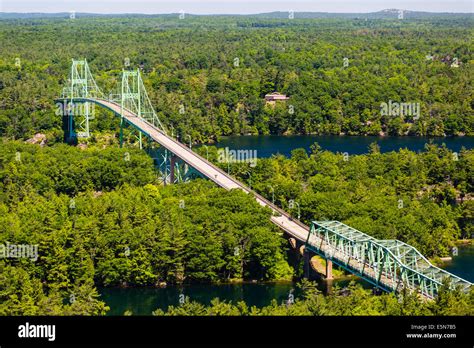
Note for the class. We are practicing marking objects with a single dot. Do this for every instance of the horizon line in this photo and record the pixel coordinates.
(229, 13)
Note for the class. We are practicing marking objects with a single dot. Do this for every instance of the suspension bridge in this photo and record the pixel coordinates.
(390, 265)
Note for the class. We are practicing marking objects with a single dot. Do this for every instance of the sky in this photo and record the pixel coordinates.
(231, 6)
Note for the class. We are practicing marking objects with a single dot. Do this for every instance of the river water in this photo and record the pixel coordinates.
(142, 301)
(463, 264)
(267, 145)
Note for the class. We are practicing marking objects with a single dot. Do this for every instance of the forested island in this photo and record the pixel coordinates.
(101, 216)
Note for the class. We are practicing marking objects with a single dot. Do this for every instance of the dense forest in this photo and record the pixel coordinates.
(207, 76)
(115, 227)
(101, 216)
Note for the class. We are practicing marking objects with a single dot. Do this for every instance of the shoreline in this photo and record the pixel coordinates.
(443, 261)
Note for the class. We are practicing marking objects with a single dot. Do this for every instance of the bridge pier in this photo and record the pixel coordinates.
(68, 124)
(329, 269)
(121, 132)
(313, 266)
(172, 168)
(305, 258)
(292, 242)
(308, 269)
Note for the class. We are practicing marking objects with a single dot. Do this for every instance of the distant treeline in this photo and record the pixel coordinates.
(207, 76)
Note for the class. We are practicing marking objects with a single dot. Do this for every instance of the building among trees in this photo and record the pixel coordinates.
(272, 98)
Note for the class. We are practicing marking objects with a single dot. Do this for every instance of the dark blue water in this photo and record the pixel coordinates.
(143, 301)
(463, 264)
(267, 145)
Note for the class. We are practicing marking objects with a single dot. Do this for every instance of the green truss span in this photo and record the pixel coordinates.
(389, 264)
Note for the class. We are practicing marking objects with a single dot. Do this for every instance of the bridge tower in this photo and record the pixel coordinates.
(77, 103)
(135, 99)
(81, 85)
